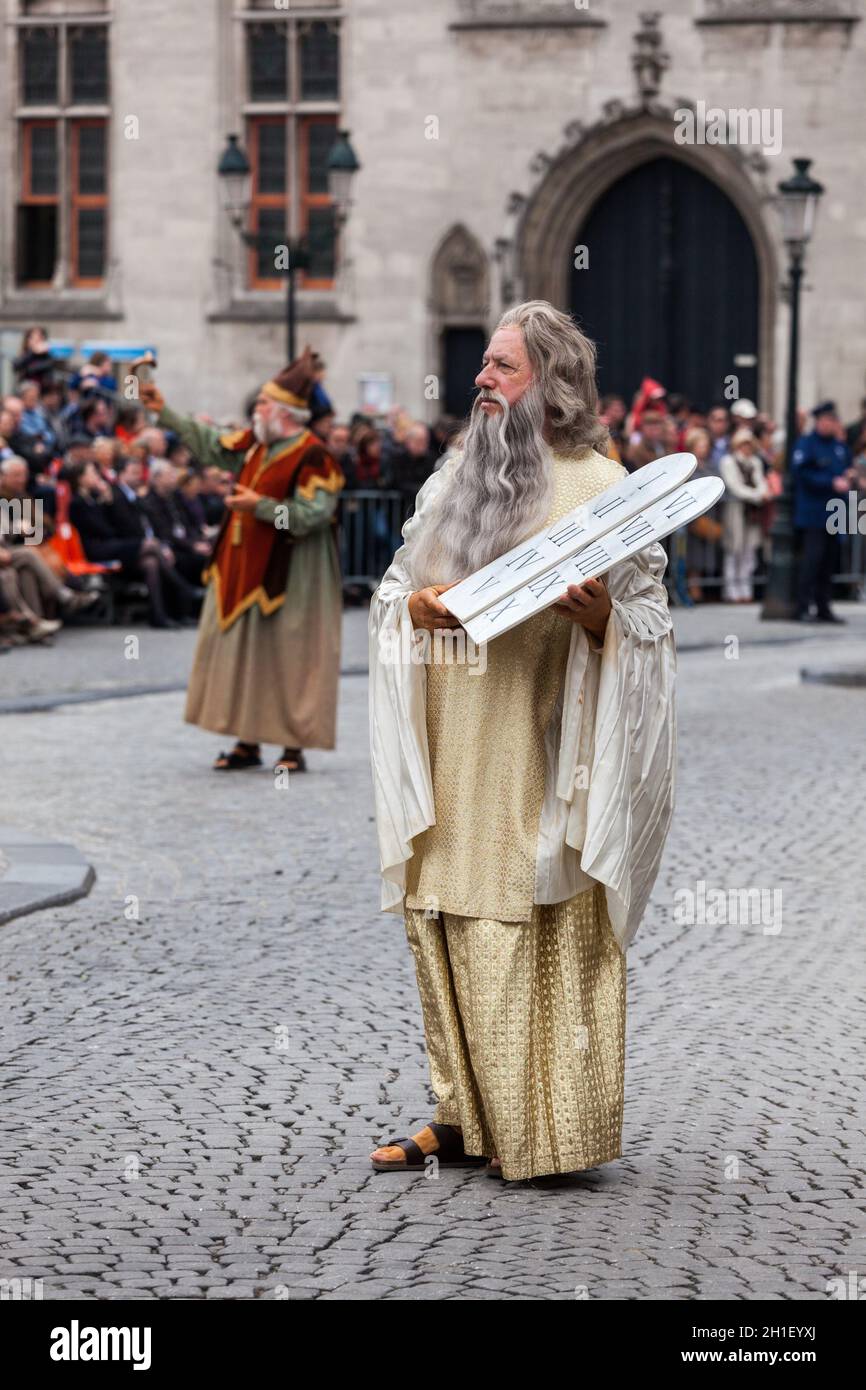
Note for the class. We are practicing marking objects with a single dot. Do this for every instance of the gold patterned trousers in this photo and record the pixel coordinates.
(525, 1031)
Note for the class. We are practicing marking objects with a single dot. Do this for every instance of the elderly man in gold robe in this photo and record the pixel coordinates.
(267, 662)
(521, 805)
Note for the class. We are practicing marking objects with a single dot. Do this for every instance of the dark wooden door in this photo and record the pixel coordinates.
(671, 289)
(463, 349)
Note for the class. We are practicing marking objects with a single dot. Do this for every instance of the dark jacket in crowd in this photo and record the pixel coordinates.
(95, 525)
(34, 366)
(169, 522)
(816, 461)
(127, 515)
(406, 472)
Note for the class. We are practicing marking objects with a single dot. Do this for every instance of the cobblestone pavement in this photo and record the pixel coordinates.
(199, 1057)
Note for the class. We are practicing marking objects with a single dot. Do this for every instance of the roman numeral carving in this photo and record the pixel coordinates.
(589, 559)
(615, 504)
(680, 502)
(491, 579)
(634, 530)
(521, 561)
(566, 533)
(544, 582)
(493, 613)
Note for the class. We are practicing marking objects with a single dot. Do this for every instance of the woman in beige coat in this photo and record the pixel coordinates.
(746, 492)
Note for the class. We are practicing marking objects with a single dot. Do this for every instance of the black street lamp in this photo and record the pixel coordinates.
(234, 175)
(798, 204)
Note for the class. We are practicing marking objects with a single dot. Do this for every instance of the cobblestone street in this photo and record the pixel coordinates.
(199, 1056)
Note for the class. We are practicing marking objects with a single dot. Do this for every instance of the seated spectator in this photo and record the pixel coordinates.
(189, 546)
(131, 420)
(216, 484)
(32, 450)
(94, 515)
(34, 423)
(96, 417)
(18, 623)
(40, 593)
(7, 429)
(180, 455)
(154, 441)
(128, 516)
(52, 407)
(107, 453)
(189, 500)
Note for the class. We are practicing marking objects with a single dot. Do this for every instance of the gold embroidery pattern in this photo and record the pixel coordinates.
(525, 1032)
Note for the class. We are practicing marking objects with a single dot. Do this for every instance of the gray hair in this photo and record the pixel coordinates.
(8, 463)
(160, 466)
(296, 414)
(565, 361)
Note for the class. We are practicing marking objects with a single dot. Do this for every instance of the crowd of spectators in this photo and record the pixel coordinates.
(746, 448)
(91, 495)
(120, 501)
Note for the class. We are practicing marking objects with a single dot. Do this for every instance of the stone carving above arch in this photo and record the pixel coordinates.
(460, 280)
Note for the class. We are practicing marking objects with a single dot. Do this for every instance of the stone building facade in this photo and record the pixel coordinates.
(508, 149)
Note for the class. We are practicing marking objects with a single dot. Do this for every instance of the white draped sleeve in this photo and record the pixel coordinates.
(402, 784)
(621, 807)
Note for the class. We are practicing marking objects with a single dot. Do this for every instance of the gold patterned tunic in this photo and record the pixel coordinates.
(485, 731)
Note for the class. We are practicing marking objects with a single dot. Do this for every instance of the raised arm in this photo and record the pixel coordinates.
(203, 440)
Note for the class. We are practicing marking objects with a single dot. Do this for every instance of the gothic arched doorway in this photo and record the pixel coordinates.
(671, 287)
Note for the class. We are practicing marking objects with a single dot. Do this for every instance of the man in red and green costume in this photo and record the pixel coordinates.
(267, 662)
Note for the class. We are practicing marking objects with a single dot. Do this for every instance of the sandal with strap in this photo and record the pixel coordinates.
(242, 755)
(291, 761)
(449, 1154)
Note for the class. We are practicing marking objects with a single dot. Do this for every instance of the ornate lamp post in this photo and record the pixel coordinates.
(234, 175)
(797, 204)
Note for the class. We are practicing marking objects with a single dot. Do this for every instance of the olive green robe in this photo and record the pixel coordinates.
(271, 679)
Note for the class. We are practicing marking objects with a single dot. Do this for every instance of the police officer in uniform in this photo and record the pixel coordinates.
(820, 468)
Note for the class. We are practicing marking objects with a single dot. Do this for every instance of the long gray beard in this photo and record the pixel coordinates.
(501, 492)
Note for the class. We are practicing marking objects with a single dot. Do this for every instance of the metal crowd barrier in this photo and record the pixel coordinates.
(371, 521)
(707, 575)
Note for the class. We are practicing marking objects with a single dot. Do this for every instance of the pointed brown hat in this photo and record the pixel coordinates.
(294, 384)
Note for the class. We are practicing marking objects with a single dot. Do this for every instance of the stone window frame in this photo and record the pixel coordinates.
(728, 12)
(66, 291)
(298, 114)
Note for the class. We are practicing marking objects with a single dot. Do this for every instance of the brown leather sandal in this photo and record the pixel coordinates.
(292, 760)
(449, 1154)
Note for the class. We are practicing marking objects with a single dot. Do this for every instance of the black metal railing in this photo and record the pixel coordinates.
(371, 521)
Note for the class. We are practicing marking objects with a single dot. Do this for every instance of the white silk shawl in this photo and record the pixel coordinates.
(611, 742)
